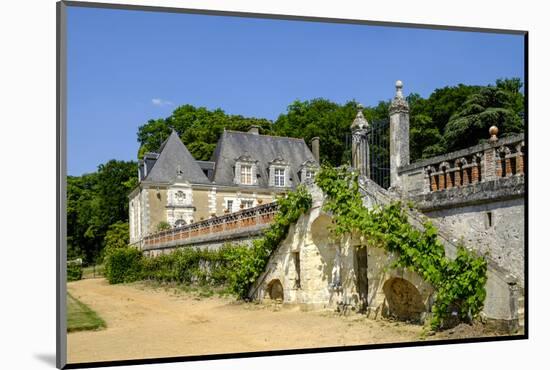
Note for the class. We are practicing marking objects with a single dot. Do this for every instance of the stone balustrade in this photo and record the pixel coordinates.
(240, 221)
(491, 160)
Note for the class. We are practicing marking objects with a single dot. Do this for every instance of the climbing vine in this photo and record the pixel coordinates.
(459, 283)
(246, 264)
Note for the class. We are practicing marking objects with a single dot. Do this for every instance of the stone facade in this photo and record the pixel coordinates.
(154, 205)
(477, 194)
(247, 169)
(494, 228)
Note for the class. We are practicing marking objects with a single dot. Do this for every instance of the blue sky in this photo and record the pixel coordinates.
(126, 67)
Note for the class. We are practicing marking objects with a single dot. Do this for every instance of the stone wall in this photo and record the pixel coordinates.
(477, 195)
(496, 228)
(317, 272)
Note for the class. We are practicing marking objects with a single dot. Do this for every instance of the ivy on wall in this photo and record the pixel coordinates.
(247, 264)
(459, 283)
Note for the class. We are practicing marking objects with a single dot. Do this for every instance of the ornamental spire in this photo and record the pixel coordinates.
(399, 104)
(360, 122)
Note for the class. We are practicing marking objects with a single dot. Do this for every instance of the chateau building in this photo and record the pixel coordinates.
(247, 169)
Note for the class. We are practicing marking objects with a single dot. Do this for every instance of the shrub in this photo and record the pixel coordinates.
(74, 272)
(123, 265)
(189, 265)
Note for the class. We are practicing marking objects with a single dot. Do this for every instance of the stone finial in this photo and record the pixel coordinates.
(360, 122)
(493, 131)
(399, 88)
(399, 104)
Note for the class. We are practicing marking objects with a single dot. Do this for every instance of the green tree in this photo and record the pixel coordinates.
(319, 117)
(117, 235)
(94, 202)
(493, 105)
(199, 129)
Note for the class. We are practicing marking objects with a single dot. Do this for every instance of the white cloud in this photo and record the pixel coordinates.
(161, 102)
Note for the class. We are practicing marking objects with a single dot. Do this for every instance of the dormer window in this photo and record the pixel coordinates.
(279, 173)
(246, 174)
(279, 177)
(245, 170)
(308, 169)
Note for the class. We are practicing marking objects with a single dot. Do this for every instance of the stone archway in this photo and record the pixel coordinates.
(275, 290)
(403, 299)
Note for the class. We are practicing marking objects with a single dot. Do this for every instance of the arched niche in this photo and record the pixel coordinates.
(403, 299)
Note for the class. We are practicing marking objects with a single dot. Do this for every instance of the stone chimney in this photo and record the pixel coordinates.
(254, 130)
(399, 134)
(315, 148)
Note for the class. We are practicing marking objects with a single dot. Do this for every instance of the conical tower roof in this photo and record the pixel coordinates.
(176, 161)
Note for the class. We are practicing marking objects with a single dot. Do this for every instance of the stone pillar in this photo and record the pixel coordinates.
(508, 165)
(465, 177)
(441, 180)
(475, 171)
(360, 144)
(491, 159)
(499, 166)
(315, 148)
(458, 177)
(433, 183)
(519, 159)
(399, 134)
(448, 180)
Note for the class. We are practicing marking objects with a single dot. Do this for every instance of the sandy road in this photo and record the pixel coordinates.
(146, 323)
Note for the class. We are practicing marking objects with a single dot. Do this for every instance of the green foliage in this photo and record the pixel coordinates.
(74, 271)
(117, 236)
(199, 129)
(246, 264)
(190, 265)
(163, 225)
(96, 201)
(123, 265)
(459, 283)
(430, 133)
(493, 105)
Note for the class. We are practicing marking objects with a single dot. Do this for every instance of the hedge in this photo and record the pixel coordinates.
(123, 265)
(74, 272)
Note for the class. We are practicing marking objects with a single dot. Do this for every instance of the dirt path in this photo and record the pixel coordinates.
(145, 323)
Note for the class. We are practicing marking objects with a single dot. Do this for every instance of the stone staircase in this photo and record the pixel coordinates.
(502, 294)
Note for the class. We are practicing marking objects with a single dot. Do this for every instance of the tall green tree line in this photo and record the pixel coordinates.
(449, 119)
(97, 203)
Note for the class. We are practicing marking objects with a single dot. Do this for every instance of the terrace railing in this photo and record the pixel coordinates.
(241, 221)
(501, 158)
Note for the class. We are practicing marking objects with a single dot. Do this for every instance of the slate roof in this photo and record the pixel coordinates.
(174, 156)
(261, 148)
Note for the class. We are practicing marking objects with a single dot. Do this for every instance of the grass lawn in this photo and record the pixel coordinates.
(81, 317)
